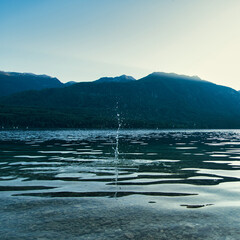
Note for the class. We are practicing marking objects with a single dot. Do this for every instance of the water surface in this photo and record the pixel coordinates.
(170, 184)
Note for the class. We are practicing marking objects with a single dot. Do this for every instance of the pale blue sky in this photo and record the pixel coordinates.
(83, 40)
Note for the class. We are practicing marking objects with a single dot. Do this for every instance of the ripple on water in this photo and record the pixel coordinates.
(221, 173)
(231, 163)
(186, 148)
(29, 156)
(219, 155)
(156, 163)
(58, 152)
(35, 163)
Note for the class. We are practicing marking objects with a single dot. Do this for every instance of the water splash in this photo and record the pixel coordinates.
(116, 152)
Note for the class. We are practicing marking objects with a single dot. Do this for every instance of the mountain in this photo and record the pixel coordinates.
(12, 82)
(159, 100)
(168, 76)
(69, 83)
(122, 78)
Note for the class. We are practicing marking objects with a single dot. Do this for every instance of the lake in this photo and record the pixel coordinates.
(158, 184)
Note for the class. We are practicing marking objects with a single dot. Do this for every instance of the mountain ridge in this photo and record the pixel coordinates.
(122, 78)
(154, 101)
(14, 82)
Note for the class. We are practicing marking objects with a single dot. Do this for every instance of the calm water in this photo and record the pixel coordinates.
(165, 185)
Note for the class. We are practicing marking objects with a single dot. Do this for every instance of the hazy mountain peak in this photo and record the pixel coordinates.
(122, 78)
(26, 74)
(174, 76)
(13, 82)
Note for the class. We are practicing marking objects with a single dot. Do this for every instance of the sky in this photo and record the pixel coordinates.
(83, 40)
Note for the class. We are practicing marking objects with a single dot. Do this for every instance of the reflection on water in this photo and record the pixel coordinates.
(175, 169)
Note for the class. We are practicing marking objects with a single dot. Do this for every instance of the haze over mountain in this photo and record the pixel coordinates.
(159, 100)
(122, 78)
(13, 82)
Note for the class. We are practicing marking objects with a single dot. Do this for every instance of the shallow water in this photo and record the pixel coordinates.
(170, 184)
